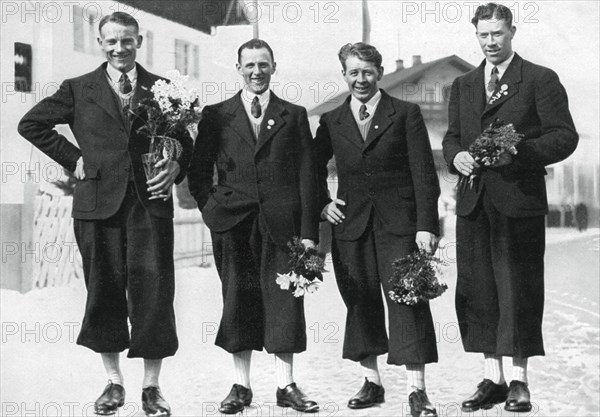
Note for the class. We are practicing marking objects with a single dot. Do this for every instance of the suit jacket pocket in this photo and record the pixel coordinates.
(85, 194)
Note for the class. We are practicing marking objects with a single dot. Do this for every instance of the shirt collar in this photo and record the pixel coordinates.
(501, 67)
(355, 105)
(263, 98)
(115, 75)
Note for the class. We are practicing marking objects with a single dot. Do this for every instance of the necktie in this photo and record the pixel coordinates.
(363, 113)
(124, 84)
(491, 87)
(255, 108)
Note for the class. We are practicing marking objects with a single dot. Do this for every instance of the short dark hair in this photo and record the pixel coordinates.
(121, 18)
(362, 51)
(255, 44)
(492, 11)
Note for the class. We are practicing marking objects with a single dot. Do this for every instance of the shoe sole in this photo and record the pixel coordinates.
(362, 406)
(246, 404)
(110, 412)
(306, 410)
(486, 406)
(518, 408)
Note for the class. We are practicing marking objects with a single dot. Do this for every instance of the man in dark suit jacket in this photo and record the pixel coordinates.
(265, 195)
(386, 208)
(500, 227)
(123, 224)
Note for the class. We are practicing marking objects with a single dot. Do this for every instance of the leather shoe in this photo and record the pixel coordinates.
(153, 402)
(291, 396)
(518, 397)
(238, 398)
(369, 395)
(487, 395)
(420, 406)
(110, 400)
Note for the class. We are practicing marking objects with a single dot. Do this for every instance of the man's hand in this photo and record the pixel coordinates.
(308, 243)
(505, 159)
(161, 186)
(464, 163)
(427, 241)
(333, 214)
(79, 172)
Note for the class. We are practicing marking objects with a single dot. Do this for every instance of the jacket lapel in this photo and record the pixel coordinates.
(272, 122)
(238, 120)
(508, 85)
(348, 126)
(381, 120)
(100, 92)
(476, 91)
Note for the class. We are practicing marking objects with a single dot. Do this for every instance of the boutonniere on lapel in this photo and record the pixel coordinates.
(270, 123)
(502, 92)
(168, 112)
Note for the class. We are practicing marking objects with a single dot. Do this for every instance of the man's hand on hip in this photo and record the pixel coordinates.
(332, 213)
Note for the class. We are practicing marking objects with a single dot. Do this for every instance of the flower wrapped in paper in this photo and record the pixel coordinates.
(170, 111)
(415, 278)
(306, 270)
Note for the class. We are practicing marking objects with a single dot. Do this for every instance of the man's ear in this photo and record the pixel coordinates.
(343, 72)
(140, 39)
(238, 67)
(274, 67)
(513, 30)
(99, 39)
(379, 73)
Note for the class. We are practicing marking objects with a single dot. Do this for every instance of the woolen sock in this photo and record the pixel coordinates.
(415, 377)
(370, 370)
(241, 366)
(284, 366)
(151, 372)
(111, 365)
(493, 368)
(519, 371)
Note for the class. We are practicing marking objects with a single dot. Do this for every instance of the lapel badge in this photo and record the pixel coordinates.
(504, 89)
(376, 126)
(144, 88)
(270, 123)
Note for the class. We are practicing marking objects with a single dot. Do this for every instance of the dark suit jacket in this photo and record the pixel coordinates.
(110, 146)
(392, 171)
(537, 105)
(274, 175)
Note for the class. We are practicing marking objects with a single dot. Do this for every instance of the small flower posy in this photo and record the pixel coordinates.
(414, 278)
(487, 149)
(307, 266)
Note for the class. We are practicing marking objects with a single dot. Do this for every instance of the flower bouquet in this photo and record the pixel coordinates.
(414, 278)
(171, 110)
(497, 139)
(306, 269)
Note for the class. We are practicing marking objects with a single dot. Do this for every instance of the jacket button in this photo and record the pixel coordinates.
(371, 193)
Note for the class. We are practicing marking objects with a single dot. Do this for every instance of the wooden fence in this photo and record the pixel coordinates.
(57, 260)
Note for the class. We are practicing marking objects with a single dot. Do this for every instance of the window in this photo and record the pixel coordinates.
(187, 58)
(22, 67)
(84, 30)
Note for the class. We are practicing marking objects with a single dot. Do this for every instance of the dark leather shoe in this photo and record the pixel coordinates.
(420, 406)
(369, 395)
(291, 396)
(238, 398)
(487, 395)
(153, 402)
(518, 397)
(111, 399)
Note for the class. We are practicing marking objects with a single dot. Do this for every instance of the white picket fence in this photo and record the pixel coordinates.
(57, 260)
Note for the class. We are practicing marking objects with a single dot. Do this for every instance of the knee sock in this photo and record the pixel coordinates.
(111, 365)
(151, 372)
(519, 371)
(493, 368)
(241, 364)
(370, 369)
(415, 377)
(284, 365)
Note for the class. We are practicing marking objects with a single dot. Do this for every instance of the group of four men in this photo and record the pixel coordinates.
(271, 185)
